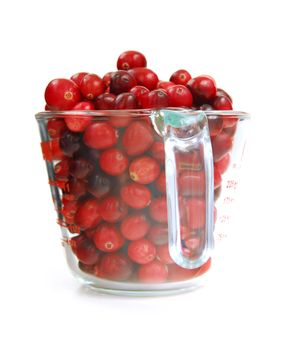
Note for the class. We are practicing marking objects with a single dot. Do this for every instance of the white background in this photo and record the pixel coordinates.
(41, 305)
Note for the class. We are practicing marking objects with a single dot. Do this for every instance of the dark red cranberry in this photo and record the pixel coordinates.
(203, 88)
(87, 215)
(137, 138)
(99, 185)
(69, 210)
(121, 81)
(70, 143)
(154, 99)
(131, 59)
(179, 96)
(84, 249)
(80, 168)
(74, 189)
(114, 266)
(138, 91)
(180, 77)
(221, 145)
(126, 100)
(217, 193)
(145, 77)
(157, 150)
(221, 92)
(105, 101)
(222, 103)
(78, 77)
(92, 86)
(62, 94)
(112, 209)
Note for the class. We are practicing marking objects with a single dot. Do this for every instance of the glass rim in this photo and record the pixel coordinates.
(137, 113)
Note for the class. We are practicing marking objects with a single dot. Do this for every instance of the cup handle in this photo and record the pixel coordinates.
(185, 132)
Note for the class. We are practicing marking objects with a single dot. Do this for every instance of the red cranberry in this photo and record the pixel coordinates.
(84, 249)
(121, 81)
(70, 143)
(113, 162)
(223, 163)
(112, 209)
(203, 88)
(158, 234)
(105, 101)
(153, 272)
(158, 210)
(160, 183)
(215, 125)
(164, 84)
(144, 170)
(179, 96)
(62, 94)
(52, 150)
(100, 135)
(192, 183)
(92, 86)
(221, 92)
(107, 238)
(163, 254)
(131, 59)
(195, 213)
(80, 168)
(75, 188)
(178, 273)
(217, 178)
(154, 99)
(138, 91)
(87, 215)
(80, 122)
(99, 185)
(61, 170)
(136, 196)
(141, 251)
(222, 103)
(217, 193)
(158, 150)
(180, 77)
(106, 79)
(115, 266)
(56, 127)
(135, 227)
(145, 77)
(137, 138)
(78, 77)
(69, 210)
(126, 100)
(221, 145)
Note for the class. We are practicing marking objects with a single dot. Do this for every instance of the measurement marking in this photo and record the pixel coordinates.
(232, 184)
(228, 200)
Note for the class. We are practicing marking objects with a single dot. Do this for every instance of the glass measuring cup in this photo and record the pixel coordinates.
(135, 193)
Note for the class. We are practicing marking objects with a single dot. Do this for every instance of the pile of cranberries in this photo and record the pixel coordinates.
(111, 173)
